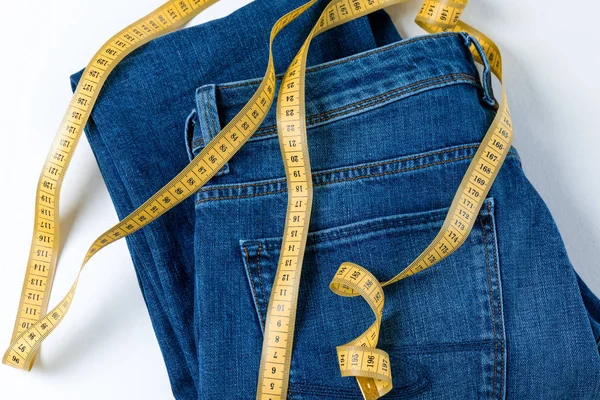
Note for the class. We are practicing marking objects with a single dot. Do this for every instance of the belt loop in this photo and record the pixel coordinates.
(208, 124)
(486, 78)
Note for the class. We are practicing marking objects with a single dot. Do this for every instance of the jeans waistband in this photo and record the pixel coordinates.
(345, 87)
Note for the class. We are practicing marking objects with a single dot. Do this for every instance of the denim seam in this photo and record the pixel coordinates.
(209, 131)
(320, 389)
(391, 94)
(260, 315)
(425, 84)
(487, 267)
(212, 119)
(339, 392)
(404, 160)
(337, 180)
(347, 59)
(205, 112)
(422, 85)
(390, 223)
(206, 102)
(245, 196)
(419, 167)
(354, 167)
(499, 304)
(443, 347)
(262, 288)
(353, 178)
(317, 389)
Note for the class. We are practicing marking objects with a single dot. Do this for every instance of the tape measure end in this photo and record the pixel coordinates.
(367, 388)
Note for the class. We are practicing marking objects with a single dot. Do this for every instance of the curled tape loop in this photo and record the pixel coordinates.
(360, 357)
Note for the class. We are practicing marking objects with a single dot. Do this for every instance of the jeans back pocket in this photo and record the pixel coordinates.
(443, 327)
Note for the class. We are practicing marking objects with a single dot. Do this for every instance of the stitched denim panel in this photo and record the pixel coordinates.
(136, 135)
(462, 292)
(391, 132)
(502, 310)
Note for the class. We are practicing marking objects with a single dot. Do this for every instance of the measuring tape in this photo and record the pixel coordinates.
(33, 325)
(359, 358)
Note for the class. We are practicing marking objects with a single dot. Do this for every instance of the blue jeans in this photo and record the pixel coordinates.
(391, 130)
(136, 134)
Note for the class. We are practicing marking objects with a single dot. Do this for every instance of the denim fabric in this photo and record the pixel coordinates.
(390, 132)
(392, 126)
(136, 135)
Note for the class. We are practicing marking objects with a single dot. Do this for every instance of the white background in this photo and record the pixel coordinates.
(106, 346)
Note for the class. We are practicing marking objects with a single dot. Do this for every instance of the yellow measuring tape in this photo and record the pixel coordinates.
(359, 358)
(33, 325)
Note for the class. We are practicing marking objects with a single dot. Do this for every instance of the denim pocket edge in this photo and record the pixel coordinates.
(495, 387)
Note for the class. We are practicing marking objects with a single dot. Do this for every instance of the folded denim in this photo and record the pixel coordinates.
(135, 134)
(392, 126)
(390, 132)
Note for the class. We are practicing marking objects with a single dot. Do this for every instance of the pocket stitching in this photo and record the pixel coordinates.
(253, 289)
(401, 159)
(262, 288)
(409, 221)
(499, 306)
(281, 183)
(418, 386)
(487, 264)
(378, 100)
(394, 222)
(496, 312)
